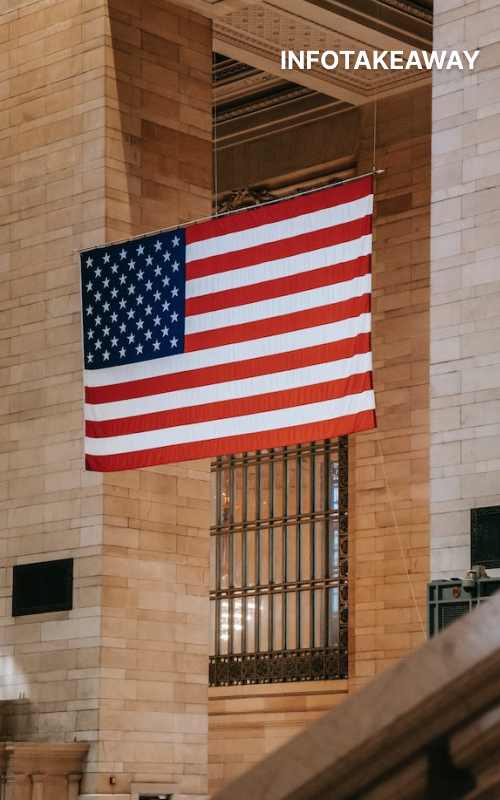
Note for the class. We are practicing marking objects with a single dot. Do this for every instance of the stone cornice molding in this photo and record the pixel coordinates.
(255, 32)
(42, 758)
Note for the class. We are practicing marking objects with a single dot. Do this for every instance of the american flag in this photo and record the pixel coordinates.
(247, 331)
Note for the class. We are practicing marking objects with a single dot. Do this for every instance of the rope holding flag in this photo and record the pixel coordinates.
(246, 331)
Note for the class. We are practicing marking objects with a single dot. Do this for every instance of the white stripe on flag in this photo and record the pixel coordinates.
(227, 354)
(216, 429)
(277, 306)
(280, 268)
(231, 390)
(284, 229)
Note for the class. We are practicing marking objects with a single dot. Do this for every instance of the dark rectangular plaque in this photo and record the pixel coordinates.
(42, 587)
(485, 536)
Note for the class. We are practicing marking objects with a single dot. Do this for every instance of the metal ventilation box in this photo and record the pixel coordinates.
(449, 600)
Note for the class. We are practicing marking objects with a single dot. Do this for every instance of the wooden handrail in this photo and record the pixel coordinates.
(440, 704)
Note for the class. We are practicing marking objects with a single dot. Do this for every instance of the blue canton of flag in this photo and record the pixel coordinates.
(134, 300)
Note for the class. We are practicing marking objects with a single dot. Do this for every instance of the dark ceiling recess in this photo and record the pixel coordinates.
(403, 5)
(250, 102)
(242, 88)
(424, 4)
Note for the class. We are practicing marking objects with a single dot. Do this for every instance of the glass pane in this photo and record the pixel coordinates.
(264, 623)
(223, 626)
(257, 489)
(237, 625)
(292, 486)
(319, 482)
(271, 554)
(312, 472)
(278, 622)
(291, 563)
(213, 494)
(251, 499)
(250, 537)
(237, 537)
(305, 551)
(305, 484)
(213, 541)
(278, 488)
(264, 557)
(223, 539)
(291, 617)
(334, 485)
(238, 494)
(320, 548)
(305, 620)
(333, 547)
(226, 497)
(271, 513)
(250, 625)
(212, 628)
(319, 617)
(244, 626)
(278, 555)
(333, 617)
(264, 490)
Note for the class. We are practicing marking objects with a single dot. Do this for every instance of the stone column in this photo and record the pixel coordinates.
(37, 781)
(105, 119)
(465, 282)
(9, 787)
(74, 785)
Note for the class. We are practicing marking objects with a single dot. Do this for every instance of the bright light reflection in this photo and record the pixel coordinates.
(237, 616)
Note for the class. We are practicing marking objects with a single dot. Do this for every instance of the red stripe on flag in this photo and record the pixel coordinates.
(296, 434)
(271, 326)
(240, 220)
(279, 287)
(238, 370)
(225, 409)
(281, 248)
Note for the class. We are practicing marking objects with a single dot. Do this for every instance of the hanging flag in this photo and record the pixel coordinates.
(244, 332)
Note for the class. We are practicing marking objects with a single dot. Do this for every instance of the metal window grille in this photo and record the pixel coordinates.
(279, 565)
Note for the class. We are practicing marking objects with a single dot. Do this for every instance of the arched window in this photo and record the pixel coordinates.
(279, 565)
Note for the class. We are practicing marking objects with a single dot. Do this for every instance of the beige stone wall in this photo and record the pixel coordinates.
(465, 283)
(246, 723)
(388, 468)
(105, 132)
(155, 542)
(52, 199)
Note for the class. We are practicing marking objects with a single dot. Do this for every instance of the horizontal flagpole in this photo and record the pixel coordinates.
(232, 211)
